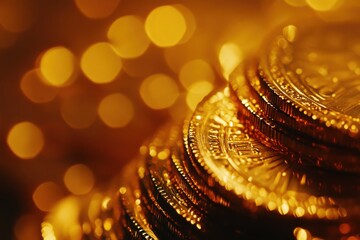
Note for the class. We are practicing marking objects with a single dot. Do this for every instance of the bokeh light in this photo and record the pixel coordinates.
(159, 91)
(344, 228)
(25, 140)
(78, 111)
(79, 74)
(197, 91)
(127, 36)
(64, 220)
(190, 22)
(195, 71)
(35, 89)
(323, 5)
(46, 195)
(79, 179)
(296, 3)
(16, 15)
(57, 66)
(116, 110)
(27, 227)
(100, 63)
(47, 231)
(94, 206)
(301, 234)
(290, 33)
(230, 55)
(97, 8)
(165, 26)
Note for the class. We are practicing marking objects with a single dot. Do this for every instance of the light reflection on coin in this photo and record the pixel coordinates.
(217, 179)
(132, 216)
(273, 126)
(245, 167)
(314, 77)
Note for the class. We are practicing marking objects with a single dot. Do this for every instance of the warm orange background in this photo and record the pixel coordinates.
(28, 29)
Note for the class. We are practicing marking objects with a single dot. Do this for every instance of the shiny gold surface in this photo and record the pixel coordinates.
(274, 127)
(243, 165)
(261, 186)
(86, 82)
(310, 72)
(132, 215)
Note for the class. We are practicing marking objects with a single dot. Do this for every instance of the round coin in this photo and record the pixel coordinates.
(156, 199)
(312, 73)
(166, 192)
(132, 217)
(260, 177)
(259, 115)
(190, 218)
(189, 181)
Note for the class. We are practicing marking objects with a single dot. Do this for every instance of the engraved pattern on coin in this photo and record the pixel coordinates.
(317, 74)
(249, 169)
(327, 63)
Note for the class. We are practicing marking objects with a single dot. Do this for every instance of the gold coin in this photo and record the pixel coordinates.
(160, 221)
(198, 173)
(312, 74)
(85, 216)
(256, 177)
(99, 213)
(188, 181)
(190, 217)
(258, 114)
(160, 204)
(130, 206)
(168, 195)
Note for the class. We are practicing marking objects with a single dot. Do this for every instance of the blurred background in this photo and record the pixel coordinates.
(84, 82)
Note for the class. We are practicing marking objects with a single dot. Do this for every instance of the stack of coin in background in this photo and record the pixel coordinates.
(273, 155)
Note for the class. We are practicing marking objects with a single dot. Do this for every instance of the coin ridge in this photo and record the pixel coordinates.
(295, 144)
(289, 100)
(194, 127)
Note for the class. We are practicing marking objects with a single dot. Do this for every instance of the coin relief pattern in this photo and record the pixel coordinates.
(273, 154)
(332, 77)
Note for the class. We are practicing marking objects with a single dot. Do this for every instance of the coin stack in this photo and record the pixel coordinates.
(275, 154)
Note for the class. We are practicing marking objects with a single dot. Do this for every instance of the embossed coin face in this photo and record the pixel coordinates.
(133, 217)
(244, 166)
(130, 206)
(169, 197)
(267, 125)
(313, 72)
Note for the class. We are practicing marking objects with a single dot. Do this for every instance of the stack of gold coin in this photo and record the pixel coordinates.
(273, 155)
(301, 95)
